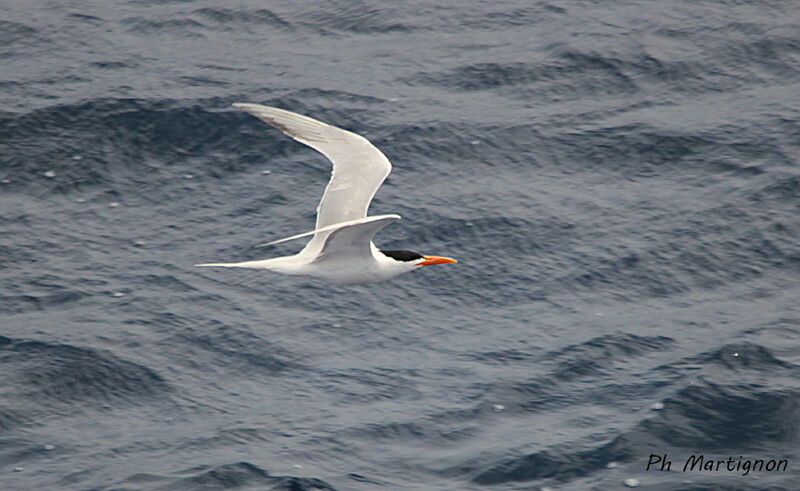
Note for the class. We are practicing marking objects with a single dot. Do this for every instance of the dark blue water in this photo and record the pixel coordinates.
(619, 181)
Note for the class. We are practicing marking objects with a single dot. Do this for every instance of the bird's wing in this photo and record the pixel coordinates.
(358, 167)
(354, 240)
(330, 228)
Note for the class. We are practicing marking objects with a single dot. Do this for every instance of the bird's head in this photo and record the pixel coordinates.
(416, 259)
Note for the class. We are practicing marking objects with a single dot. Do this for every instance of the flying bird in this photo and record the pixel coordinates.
(341, 248)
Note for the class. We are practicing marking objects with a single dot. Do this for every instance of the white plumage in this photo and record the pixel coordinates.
(341, 248)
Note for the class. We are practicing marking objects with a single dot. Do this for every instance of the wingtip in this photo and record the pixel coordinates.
(393, 216)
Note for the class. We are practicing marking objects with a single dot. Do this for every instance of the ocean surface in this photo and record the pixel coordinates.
(620, 182)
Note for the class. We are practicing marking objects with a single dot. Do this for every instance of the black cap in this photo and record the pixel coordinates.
(402, 255)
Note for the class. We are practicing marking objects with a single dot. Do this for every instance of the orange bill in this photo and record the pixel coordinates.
(436, 260)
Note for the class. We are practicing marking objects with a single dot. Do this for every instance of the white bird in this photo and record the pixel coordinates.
(341, 249)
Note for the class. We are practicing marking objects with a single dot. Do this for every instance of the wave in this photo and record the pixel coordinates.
(726, 407)
(225, 476)
(48, 378)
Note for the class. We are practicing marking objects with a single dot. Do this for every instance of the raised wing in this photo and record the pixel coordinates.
(359, 168)
(354, 240)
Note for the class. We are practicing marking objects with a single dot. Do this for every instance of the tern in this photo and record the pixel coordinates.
(341, 248)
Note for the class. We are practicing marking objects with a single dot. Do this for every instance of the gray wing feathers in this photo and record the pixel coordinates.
(299, 127)
(358, 167)
(354, 240)
(336, 226)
